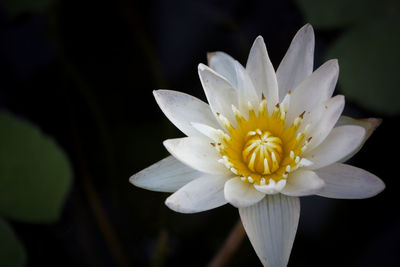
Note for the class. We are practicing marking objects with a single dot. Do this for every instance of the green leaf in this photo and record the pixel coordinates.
(35, 174)
(18, 7)
(326, 14)
(12, 253)
(368, 59)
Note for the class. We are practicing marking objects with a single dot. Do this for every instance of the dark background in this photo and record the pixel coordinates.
(84, 72)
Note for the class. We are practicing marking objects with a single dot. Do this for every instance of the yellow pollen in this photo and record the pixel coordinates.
(262, 152)
(262, 149)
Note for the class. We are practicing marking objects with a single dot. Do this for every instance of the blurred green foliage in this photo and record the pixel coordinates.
(11, 251)
(325, 14)
(367, 50)
(35, 176)
(18, 7)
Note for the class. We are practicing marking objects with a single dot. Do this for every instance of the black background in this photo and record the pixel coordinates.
(84, 73)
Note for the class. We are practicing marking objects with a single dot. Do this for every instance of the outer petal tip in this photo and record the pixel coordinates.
(155, 94)
(334, 62)
(173, 205)
(379, 187)
(132, 180)
(259, 39)
(202, 67)
(158, 95)
(167, 143)
(308, 27)
(340, 98)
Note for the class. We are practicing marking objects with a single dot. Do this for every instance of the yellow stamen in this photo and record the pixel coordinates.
(262, 149)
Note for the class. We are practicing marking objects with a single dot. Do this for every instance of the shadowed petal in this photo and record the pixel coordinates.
(237, 75)
(204, 193)
(241, 194)
(219, 92)
(298, 61)
(182, 109)
(271, 226)
(369, 124)
(345, 181)
(262, 73)
(302, 183)
(225, 65)
(322, 119)
(197, 153)
(314, 90)
(340, 142)
(167, 175)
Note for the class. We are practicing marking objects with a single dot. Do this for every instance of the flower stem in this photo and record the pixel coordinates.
(229, 247)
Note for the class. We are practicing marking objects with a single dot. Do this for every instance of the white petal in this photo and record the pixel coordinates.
(369, 124)
(271, 226)
(241, 194)
(212, 133)
(341, 141)
(237, 75)
(272, 187)
(298, 61)
(262, 73)
(345, 181)
(181, 109)
(314, 90)
(197, 153)
(224, 65)
(302, 183)
(167, 175)
(322, 119)
(204, 193)
(219, 92)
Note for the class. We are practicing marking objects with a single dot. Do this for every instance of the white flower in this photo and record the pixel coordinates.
(263, 140)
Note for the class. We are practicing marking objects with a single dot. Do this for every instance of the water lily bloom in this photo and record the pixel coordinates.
(264, 139)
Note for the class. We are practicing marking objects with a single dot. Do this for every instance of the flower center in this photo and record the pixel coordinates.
(262, 152)
(262, 148)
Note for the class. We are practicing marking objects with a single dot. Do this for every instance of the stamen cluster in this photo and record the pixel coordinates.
(261, 149)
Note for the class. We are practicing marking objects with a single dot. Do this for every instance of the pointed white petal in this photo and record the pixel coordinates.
(341, 141)
(197, 153)
(271, 226)
(181, 109)
(237, 75)
(298, 61)
(167, 175)
(224, 65)
(345, 181)
(302, 183)
(210, 132)
(262, 73)
(369, 124)
(314, 90)
(219, 92)
(322, 119)
(241, 194)
(204, 193)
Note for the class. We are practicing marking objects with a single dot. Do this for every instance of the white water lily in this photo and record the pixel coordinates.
(263, 140)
